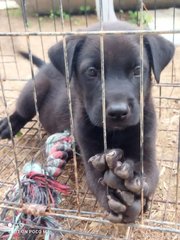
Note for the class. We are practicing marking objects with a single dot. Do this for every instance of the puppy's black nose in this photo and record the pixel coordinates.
(118, 111)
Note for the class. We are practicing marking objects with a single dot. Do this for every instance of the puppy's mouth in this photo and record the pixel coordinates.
(117, 125)
(118, 128)
(114, 125)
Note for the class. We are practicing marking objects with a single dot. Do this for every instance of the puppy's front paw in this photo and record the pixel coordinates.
(124, 183)
(117, 208)
(16, 121)
(129, 216)
(124, 206)
(4, 129)
(110, 159)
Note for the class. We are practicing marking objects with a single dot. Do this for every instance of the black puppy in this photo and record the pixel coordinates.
(115, 177)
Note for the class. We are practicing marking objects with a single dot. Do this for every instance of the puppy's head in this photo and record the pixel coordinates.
(121, 70)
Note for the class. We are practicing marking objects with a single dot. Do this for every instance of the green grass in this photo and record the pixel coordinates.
(135, 17)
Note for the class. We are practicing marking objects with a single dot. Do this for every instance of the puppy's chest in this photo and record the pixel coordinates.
(115, 140)
(130, 144)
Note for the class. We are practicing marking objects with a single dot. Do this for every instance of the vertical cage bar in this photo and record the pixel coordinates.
(12, 42)
(103, 77)
(15, 161)
(141, 4)
(173, 39)
(178, 174)
(85, 12)
(25, 21)
(67, 77)
(40, 29)
(54, 20)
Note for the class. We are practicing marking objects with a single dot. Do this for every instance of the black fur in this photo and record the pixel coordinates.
(36, 61)
(122, 84)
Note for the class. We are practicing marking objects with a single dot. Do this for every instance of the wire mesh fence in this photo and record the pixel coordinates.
(79, 215)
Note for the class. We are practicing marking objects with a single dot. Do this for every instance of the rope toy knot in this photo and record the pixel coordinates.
(39, 188)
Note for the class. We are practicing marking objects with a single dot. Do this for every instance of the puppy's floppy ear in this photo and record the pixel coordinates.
(160, 52)
(56, 53)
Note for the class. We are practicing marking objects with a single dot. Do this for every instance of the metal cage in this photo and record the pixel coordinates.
(79, 215)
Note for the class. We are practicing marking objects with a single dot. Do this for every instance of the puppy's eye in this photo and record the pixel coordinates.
(137, 71)
(92, 72)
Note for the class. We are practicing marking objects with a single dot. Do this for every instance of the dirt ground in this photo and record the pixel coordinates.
(162, 220)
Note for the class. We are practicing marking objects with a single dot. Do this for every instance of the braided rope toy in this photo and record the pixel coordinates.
(38, 189)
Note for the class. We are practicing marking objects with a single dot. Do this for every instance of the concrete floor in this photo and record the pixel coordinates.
(166, 19)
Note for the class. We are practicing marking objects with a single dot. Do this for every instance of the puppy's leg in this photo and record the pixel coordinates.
(25, 107)
(117, 182)
(104, 194)
(89, 140)
(126, 183)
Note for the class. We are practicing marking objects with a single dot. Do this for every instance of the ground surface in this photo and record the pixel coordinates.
(164, 214)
